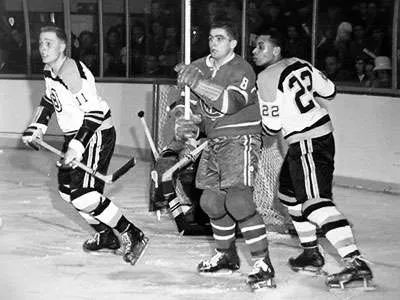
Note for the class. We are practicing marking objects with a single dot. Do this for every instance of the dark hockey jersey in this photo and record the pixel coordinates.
(235, 76)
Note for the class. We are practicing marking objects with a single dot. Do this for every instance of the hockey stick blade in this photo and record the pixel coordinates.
(190, 157)
(125, 168)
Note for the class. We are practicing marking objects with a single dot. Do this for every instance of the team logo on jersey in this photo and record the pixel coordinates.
(210, 111)
(55, 100)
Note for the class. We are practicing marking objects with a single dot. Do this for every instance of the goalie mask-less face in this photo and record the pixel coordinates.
(221, 45)
(265, 52)
(51, 47)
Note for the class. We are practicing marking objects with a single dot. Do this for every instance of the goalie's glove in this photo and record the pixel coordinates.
(187, 129)
(189, 75)
(32, 133)
(74, 153)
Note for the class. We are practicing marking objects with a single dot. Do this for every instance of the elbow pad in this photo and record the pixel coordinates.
(208, 90)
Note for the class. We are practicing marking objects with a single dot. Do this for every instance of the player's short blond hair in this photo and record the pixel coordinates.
(60, 33)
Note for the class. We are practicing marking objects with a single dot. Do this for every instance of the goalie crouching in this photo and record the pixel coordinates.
(177, 191)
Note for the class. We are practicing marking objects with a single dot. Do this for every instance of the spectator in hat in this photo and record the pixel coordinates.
(382, 72)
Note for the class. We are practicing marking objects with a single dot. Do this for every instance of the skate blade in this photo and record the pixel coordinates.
(263, 285)
(364, 285)
(309, 271)
(104, 251)
(221, 273)
(143, 250)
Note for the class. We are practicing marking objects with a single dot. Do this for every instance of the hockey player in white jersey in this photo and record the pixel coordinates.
(288, 89)
(85, 120)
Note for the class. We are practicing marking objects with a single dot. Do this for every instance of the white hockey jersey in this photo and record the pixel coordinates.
(74, 97)
(287, 92)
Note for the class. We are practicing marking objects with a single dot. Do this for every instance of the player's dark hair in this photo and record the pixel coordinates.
(60, 33)
(276, 38)
(228, 25)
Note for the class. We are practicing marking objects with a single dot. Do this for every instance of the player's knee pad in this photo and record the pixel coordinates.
(86, 200)
(318, 210)
(295, 212)
(213, 203)
(64, 192)
(239, 203)
(305, 229)
(324, 213)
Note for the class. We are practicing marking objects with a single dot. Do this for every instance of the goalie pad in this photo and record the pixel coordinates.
(178, 194)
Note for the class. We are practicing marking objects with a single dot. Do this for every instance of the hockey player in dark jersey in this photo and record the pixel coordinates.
(85, 120)
(223, 93)
(288, 90)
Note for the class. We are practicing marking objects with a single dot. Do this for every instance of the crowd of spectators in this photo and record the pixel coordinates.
(154, 45)
(12, 47)
(353, 42)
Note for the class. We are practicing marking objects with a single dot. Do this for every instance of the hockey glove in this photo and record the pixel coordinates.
(190, 75)
(74, 153)
(187, 129)
(33, 132)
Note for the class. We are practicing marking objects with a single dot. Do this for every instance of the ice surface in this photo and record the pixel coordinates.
(41, 238)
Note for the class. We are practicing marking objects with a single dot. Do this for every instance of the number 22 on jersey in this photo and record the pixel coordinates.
(303, 99)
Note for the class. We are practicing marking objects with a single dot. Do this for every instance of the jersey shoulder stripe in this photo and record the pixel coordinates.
(47, 74)
(80, 69)
(298, 64)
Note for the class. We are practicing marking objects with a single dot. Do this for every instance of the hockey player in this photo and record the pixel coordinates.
(85, 120)
(224, 94)
(288, 90)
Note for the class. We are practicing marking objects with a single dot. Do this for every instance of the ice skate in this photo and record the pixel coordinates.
(356, 274)
(262, 275)
(224, 262)
(103, 241)
(135, 244)
(310, 261)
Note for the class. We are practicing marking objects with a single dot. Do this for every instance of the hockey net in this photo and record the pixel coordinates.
(266, 183)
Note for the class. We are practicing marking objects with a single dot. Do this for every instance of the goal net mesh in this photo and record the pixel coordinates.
(266, 183)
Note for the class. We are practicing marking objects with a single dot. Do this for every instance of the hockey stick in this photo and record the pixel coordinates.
(105, 178)
(156, 155)
(190, 157)
(175, 205)
(187, 52)
(148, 135)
